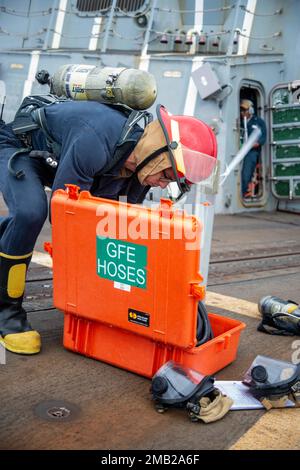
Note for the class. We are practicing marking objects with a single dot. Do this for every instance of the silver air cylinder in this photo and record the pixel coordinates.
(272, 305)
(132, 87)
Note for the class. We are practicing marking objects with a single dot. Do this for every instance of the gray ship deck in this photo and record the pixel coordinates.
(252, 255)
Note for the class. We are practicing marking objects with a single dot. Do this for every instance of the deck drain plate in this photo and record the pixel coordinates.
(56, 410)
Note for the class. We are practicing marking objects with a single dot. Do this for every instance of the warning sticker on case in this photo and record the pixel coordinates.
(140, 318)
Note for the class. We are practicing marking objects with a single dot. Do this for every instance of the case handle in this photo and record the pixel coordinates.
(224, 341)
(198, 291)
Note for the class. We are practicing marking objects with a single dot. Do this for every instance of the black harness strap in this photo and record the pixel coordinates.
(134, 118)
(262, 327)
(277, 326)
(23, 122)
(39, 117)
(125, 141)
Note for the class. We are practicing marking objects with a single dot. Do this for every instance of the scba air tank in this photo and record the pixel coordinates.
(271, 305)
(132, 87)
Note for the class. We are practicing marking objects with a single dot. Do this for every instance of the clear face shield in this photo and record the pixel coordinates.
(174, 384)
(272, 379)
(196, 166)
(178, 386)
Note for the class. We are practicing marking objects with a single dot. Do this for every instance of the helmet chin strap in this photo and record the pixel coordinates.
(183, 186)
(151, 157)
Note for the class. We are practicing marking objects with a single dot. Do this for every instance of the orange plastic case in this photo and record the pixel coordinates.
(129, 286)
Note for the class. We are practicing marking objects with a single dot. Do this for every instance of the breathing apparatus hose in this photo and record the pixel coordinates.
(48, 157)
(17, 173)
(204, 330)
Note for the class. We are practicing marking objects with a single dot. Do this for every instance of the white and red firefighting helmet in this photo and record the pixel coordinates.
(192, 147)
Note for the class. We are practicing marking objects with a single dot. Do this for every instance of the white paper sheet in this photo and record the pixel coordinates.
(241, 396)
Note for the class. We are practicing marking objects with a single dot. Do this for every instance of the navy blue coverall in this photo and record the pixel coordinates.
(88, 133)
(251, 159)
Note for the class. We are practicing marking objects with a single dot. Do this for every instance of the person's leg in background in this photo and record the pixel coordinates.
(249, 165)
(28, 208)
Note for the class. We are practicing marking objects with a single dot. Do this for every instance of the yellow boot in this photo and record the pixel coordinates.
(16, 333)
